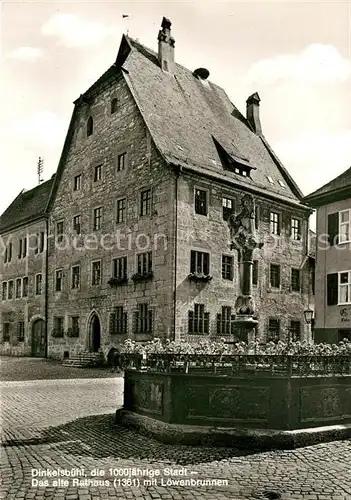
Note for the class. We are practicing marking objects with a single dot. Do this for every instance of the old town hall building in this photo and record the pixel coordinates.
(131, 238)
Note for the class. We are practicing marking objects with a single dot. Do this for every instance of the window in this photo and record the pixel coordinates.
(8, 253)
(345, 226)
(270, 180)
(20, 245)
(20, 331)
(75, 277)
(345, 287)
(59, 280)
(275, 276)
(227, 267)
(295, 330)
(90, 126)
(98, 173)
(119, 268)
(281, 183)
(75, 326)
(121, 161)
(96, 273)
(201, 202)
(225, 321)
(143, 319)
(38, 284)
(4, 290)
(58, 326)
(25, 287)
(145, 202)
(227, 207)
(118, 321)
(10, 290)
(114, 104)
(333, 228)
(18, 288)
(76, 224)
(6, 332)
(41, 242)
(295, 229)
(121, 210)
(273, 330)
(97, 218)
(275, 223)
(77, 183)
(144, 263)
(59, 232)
(295, 280)
(199, 320)
(199, 262)
(255, 273)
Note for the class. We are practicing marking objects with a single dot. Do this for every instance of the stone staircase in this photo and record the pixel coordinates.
(83, 359)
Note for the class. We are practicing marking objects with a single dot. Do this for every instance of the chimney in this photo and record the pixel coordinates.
(253, 112)
(166, 46)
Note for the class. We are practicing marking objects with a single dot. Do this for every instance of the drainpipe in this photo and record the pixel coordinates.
(46, 286)
(178, 172)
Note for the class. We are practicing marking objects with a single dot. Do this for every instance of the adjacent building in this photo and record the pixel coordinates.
(23, 271)
(155, 160)
(333, 260)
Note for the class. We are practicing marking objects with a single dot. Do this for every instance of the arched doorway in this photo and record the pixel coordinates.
(38, 339)
(95, 333)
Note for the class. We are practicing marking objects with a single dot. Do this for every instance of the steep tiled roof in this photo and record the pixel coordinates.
(26, 206)
(342, 183)
(184, 114)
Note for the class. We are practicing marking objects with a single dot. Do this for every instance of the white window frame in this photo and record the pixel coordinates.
(344, 285)
(299, 228)
(92, 272)
(207, 191)
(79, 275)
(341, 224)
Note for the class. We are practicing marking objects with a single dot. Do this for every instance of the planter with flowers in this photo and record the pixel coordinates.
(143, 276)
(200, 277)
(114, 282)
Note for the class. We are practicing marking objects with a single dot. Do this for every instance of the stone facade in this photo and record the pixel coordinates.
(114, 134)
(211, 234)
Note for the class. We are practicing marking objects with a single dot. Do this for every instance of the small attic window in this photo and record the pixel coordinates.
(281, 183)
(90, 126)
(114, 105)
(165, 65)
(270, 179)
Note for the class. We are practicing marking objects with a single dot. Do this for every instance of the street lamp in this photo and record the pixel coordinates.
(308, 314)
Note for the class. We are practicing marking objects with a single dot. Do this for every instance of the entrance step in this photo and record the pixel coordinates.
(83, 360)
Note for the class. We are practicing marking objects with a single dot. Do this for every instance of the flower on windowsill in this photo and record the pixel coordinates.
(117, 281)
(199, 277)
(141, 277)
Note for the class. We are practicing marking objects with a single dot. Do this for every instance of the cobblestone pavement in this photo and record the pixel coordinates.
(69, 424)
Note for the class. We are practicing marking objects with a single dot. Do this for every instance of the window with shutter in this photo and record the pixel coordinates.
(333, 228)
(332, 289)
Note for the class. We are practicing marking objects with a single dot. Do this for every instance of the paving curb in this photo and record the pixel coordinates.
(230, 437)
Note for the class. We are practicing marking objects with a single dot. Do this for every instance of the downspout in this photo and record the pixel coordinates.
(46, 286)
(178, 171)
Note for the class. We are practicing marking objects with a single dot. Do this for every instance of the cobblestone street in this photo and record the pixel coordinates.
(69, 424)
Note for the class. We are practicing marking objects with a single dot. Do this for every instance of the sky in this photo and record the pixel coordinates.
(295, 54)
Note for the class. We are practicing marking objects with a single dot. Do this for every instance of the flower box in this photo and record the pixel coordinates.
(71, 332)
(57, 333)
(142, 277)
(199, 277)
(117, 281)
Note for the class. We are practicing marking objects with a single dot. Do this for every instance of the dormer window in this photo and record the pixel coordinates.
(281, 183)
(231, 160)
(90, 126)
(270, 180)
